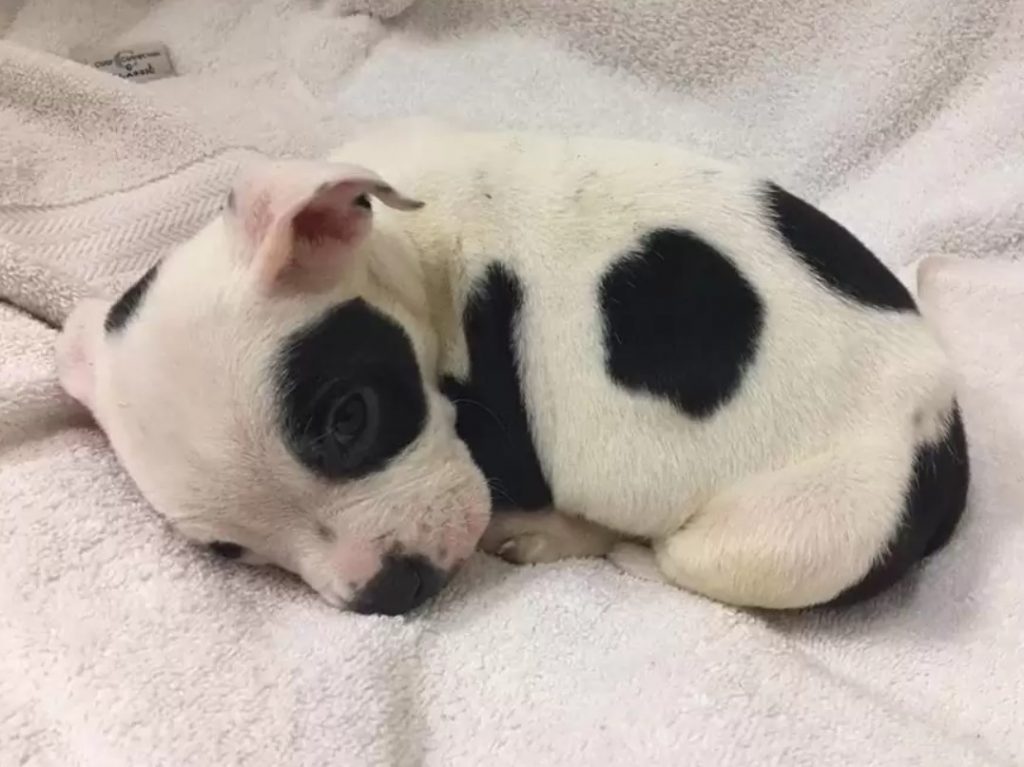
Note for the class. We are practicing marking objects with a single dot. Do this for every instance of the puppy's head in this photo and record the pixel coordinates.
(272, 395)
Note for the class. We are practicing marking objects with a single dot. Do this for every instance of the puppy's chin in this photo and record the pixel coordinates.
(77, 349)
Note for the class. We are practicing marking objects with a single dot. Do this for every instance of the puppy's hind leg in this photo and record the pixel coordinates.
(638, 560)
(800, 535)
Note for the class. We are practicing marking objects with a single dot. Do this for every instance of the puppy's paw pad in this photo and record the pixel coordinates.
(637, 561)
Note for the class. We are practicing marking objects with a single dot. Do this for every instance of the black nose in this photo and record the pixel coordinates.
(403, 584)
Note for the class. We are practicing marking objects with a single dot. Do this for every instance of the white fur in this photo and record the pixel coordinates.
(784, 498)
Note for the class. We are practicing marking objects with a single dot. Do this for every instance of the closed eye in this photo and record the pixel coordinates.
(226, 549)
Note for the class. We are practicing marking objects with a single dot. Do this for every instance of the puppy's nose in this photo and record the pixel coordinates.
(403, 584)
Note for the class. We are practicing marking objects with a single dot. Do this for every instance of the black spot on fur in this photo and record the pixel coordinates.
(935, 501)
(680, 322)
(351, 349)
(363, 201)
(128, 304)
(838, 258)
(492, 418)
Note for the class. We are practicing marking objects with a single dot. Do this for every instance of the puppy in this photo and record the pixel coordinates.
(621, 348)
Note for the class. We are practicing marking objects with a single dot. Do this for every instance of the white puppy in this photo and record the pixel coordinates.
(641, 345)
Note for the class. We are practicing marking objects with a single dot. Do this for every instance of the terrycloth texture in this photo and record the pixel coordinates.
(120, 644)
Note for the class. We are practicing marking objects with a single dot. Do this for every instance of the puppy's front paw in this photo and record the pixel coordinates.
(527, 549)
(534, 537)
(636, 560)
(516, 539)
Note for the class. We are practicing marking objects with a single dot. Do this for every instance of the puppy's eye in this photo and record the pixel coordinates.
(351, 427)
(349, 417)
(227, 550)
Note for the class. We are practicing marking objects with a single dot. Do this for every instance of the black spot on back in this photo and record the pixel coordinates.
(935, 501)
(349, 347)
(838, 258)
(492, 418)
(680, 322)
(129, 302)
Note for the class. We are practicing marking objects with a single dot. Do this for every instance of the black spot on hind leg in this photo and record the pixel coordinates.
(935, 500)
(680, 322)
(948, 478)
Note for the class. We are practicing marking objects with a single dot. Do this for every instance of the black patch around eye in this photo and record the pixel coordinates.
(834, 255)
(351, 349)
(227, 550)
(680, 322)
(363, 201)
(128, 304)
(491, 413)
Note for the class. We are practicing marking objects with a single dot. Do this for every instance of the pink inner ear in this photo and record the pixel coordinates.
(318, 222)
(303, 221)
(308, 247)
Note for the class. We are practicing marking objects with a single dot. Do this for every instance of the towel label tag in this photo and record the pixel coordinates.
(141, 63)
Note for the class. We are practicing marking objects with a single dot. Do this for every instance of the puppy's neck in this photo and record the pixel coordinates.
(422, 268)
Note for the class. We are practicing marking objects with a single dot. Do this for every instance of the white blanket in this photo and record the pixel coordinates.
(122, 645)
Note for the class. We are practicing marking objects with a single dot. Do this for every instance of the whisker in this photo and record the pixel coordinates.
(489, 411)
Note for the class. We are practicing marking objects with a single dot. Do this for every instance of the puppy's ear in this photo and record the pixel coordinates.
(300, 221)
(77, 347)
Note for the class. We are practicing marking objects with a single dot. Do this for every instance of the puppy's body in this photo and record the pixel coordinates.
(640, 344)
(675, 351)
